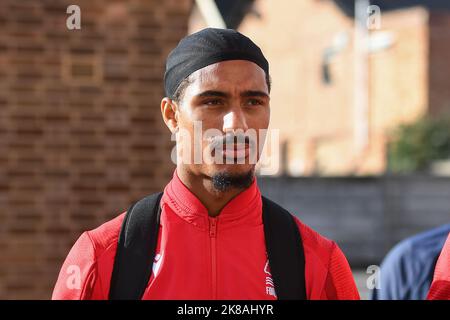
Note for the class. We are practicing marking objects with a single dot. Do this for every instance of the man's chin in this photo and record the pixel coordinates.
(232, 177)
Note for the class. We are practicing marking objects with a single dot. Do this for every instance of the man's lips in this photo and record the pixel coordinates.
(235, 148)
(236, 151)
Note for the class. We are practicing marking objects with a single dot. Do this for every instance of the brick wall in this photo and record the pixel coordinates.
(294, 36)
(81, 134)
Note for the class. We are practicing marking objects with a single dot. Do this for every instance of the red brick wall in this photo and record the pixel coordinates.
(81, 134)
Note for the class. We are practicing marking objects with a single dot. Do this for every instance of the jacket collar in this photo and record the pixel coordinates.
(244, 208)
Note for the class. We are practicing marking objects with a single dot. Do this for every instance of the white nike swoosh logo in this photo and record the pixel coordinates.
(157, 264)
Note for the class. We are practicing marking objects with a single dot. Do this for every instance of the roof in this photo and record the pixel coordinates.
(234, 11)
(348, 6)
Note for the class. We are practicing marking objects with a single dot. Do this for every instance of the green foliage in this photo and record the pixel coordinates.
(413, 147)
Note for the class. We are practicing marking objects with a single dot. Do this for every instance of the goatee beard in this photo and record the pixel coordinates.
(225, 181)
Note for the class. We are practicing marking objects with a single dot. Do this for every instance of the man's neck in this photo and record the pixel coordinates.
(202, 187)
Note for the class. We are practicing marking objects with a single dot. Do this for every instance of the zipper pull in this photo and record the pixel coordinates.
(212, 227)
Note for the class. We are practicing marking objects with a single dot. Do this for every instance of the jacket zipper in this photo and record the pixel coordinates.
(213, 236)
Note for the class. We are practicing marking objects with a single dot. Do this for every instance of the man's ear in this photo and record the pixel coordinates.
(169, 111)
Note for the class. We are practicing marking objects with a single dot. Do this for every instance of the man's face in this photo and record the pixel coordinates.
(231, 97)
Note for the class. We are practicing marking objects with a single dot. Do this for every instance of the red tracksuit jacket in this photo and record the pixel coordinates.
(200, 257)
(440, 287)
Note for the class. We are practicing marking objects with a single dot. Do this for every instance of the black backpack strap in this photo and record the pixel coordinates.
(285, 252)
(136, 249)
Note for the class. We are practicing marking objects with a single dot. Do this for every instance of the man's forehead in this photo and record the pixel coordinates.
(237, 73)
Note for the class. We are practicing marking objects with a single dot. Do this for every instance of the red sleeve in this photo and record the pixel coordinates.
(339, 284)
(327, 272)
(440, 287)
(78, 273)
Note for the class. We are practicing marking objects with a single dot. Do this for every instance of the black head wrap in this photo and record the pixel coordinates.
(206, 47)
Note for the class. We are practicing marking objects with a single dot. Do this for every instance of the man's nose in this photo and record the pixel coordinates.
(234, 120)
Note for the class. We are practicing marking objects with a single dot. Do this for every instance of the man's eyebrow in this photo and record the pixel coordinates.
(254, 93)
(244, 94)
(213, 93)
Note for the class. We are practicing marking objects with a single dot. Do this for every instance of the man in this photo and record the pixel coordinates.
(407, 271)
(440, 288)
(211, 241)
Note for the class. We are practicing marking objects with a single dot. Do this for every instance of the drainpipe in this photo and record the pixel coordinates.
(210, 13)
(361, 77)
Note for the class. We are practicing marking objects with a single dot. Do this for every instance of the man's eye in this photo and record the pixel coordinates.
(254, 102)
(213, 102)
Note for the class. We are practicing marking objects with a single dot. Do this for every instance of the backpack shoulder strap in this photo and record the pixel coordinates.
(136, 249)
(285, 252)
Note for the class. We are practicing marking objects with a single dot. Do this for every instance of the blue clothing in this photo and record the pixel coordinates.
(407, 271)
